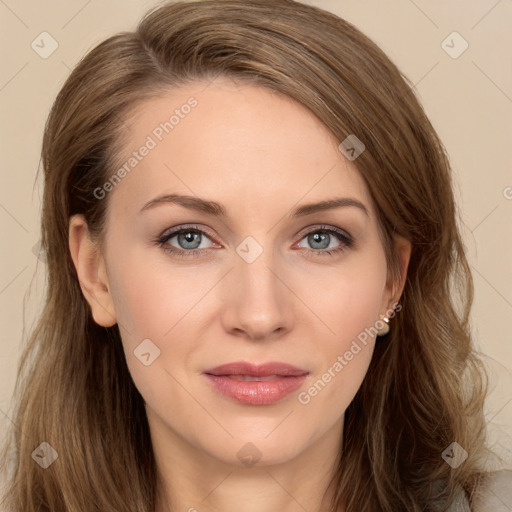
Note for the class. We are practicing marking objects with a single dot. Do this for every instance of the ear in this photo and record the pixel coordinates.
(91, 270)
(395, 288)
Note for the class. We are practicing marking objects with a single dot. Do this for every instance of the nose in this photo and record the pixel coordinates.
(258, 304)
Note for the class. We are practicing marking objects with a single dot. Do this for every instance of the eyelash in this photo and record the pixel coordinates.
(346, 242)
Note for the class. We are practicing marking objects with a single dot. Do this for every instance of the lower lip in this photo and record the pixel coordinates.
(262, 392)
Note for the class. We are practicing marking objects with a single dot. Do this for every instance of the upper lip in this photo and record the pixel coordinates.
(256, 370)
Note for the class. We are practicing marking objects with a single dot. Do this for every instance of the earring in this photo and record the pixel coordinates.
(385, 328)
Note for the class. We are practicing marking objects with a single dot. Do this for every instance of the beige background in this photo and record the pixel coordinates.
(468, 98)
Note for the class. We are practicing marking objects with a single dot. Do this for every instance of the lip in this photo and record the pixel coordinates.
(270, 382)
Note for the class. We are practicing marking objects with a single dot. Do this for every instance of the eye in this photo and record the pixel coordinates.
(321, 241)
(186, 242)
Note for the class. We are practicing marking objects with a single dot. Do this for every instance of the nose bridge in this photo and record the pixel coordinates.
(253, 267)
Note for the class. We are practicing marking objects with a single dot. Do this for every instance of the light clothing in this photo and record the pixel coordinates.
(495, 495)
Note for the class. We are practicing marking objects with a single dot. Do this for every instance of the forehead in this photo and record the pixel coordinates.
(237, 144)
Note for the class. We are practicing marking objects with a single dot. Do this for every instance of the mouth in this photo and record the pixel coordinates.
(251, 384)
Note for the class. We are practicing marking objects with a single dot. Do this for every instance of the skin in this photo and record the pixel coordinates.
(260, 155)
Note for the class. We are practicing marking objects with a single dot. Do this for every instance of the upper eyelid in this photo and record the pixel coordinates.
(175, 231)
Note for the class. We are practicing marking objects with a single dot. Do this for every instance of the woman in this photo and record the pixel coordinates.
(252, 242)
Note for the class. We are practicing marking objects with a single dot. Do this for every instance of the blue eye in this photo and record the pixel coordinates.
(189, 240)
(322, 237)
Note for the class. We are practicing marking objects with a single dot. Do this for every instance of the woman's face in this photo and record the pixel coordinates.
(256, 278)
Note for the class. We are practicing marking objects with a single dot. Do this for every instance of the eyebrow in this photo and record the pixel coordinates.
(217, 210)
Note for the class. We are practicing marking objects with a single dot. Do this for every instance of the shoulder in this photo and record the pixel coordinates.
(494, 493)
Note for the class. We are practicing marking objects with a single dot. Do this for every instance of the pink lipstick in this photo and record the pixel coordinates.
(253, 384)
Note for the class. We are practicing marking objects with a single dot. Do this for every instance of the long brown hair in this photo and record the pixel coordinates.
(425, 386)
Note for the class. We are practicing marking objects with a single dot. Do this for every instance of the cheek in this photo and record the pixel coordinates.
(153, 302)
(347, 299)
(348, 303)
(150, 299)
(148, 306)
